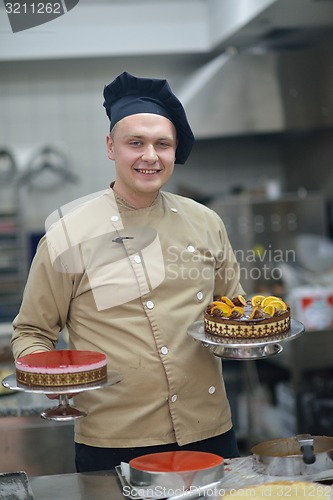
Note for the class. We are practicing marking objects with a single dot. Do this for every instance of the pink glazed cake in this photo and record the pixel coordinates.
(61, 368)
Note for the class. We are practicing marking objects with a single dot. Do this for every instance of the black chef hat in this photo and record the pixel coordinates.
(129, 95)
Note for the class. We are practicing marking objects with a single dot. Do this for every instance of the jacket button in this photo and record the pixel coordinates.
(211, 390)
(191, 248)
(150, 304)
(173, 398)
(164, 350)
(114, 218)
(137, 259)
(199, 295)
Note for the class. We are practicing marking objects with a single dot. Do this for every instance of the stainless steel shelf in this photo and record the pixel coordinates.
(312, 351)
(12, 263)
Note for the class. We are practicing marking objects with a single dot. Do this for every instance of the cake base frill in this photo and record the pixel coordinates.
(61, 379)
(247, 329)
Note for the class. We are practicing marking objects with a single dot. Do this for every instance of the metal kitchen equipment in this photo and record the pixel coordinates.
(15, 485)
(135, 493)
(300, 455)
(64, 411)
(263, 232)
(176, 470)
(244, 349)
(47, 170)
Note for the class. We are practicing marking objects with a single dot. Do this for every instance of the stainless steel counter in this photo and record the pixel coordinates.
(89, 486)
(239, 472)
(36, 446)
(27, 441)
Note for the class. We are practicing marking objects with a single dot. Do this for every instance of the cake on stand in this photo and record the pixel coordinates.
(64, 411)
(247, 348)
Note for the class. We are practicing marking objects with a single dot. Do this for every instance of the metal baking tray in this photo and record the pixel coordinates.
(15, 486)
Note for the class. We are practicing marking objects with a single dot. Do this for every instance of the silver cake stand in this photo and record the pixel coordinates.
(245, 349)
(64, 411)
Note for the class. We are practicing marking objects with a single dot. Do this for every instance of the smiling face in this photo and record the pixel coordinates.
(143, 147)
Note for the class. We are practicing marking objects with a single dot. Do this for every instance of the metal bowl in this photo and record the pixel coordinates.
(284, 457)
(176, 470)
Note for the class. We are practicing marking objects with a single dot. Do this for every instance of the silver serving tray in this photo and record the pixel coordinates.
(244, 349)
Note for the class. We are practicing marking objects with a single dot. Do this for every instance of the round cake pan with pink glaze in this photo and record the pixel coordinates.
(176, 470)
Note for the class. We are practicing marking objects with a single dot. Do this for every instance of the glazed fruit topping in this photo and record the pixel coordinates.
(257, 308)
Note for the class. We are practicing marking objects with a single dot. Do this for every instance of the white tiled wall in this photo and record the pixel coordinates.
(59, 103)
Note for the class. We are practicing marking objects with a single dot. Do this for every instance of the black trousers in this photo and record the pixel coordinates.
(91, 458)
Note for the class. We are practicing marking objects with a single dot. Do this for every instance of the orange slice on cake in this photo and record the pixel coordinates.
(268, 300)
(237, 312)
(254, 313)
(257, 300)
(279, 304)
(221, 306)
(270, 310)
(241, 299)
(227, 301)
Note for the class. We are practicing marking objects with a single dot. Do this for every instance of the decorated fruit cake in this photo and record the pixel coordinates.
(61, 368)
(239, 318)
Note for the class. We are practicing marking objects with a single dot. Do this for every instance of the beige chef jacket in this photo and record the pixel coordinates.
(129, 282)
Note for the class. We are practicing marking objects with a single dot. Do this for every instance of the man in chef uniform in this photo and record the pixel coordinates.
(127, 271)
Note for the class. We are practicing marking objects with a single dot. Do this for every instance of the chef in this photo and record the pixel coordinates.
(126, 271)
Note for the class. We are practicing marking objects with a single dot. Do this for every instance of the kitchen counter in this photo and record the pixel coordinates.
(105, 485)
(36, 446)
(21, 427)
(26, 438)
(89, 486)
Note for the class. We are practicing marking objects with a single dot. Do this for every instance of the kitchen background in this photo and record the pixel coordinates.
(256, 78)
